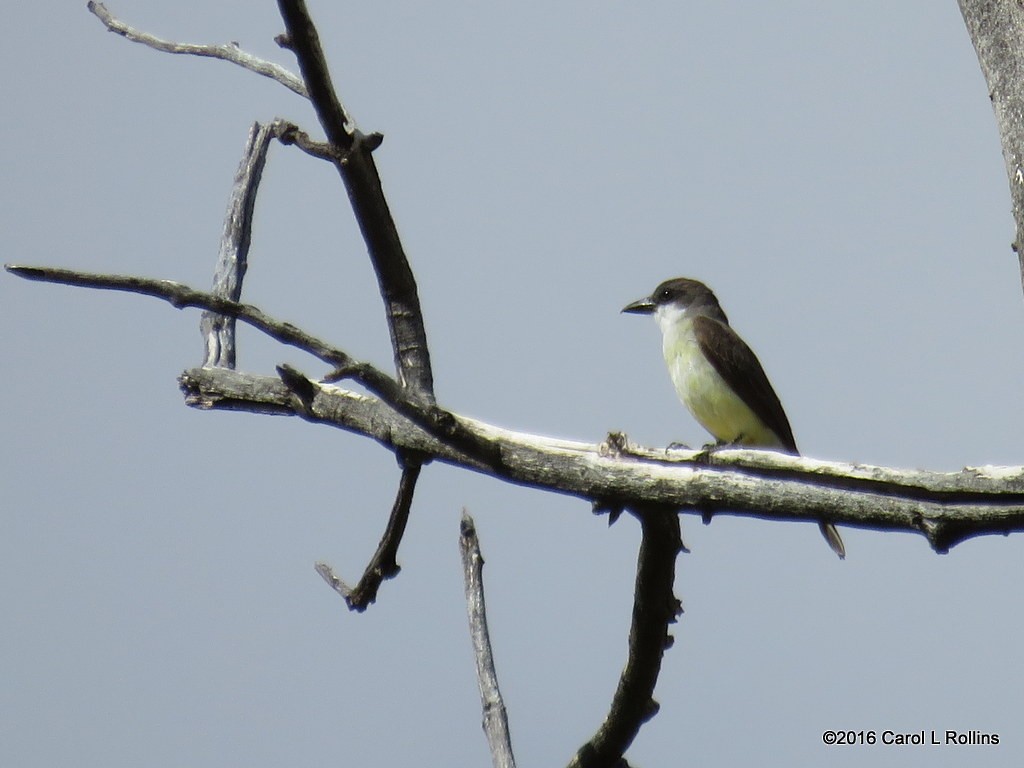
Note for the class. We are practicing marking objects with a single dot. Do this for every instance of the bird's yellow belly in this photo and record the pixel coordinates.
(711, 401)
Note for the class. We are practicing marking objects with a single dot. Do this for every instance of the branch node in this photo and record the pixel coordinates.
(442, 420)
(613, 509)
(290, 134)
(370, 141)
(299, 385)
(341, 373)
(652, 708)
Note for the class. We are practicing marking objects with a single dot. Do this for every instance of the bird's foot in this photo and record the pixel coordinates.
(704, 455)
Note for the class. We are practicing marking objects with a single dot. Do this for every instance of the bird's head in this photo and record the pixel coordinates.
(677, 299)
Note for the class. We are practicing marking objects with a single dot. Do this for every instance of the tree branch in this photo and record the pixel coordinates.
(350, 151)
(654, 608)
(303, 40)
(945, 507)
(289, 134)
(436, 421)
(495, 717)
(359, 173)
(384, 564)
(226, 51)
(219, 330)
(996, 28)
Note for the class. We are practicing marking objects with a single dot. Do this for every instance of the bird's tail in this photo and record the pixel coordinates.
(833, 538)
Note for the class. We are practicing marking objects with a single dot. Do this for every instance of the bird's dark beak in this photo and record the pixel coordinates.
(640, 307)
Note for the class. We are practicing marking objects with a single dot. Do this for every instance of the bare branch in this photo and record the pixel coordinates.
(435, 420)
(289, 133)
(304, 41)
(384, 564)
(996, 28)
(333, 580)
(394, 275)
(359, 172)
(947, 507)
(181, 296)
(654, 608)
(219, 330)
(226, 51)
(495, 717)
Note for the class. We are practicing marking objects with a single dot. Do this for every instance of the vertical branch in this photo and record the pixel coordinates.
(219, 330)
(366, 195)
(654, 608)
(362, 182)
(495, 718)
(996, 28)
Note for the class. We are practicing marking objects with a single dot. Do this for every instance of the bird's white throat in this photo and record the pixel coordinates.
(670, 318)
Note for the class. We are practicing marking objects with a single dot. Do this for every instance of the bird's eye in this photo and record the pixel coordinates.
(665, 294)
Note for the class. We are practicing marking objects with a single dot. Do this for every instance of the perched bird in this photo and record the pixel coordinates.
(717, 376)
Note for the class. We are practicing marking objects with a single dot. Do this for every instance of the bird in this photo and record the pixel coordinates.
(717, 376)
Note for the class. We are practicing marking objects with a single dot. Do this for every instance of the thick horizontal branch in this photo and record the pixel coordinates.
(226, 51)
(946, 507)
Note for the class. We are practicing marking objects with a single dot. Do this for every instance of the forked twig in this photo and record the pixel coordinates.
(384, 564)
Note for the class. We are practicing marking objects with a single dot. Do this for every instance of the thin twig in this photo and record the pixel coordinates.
(655, 607)
(290, 134)
(384, 563)
(181, 296)
(495, 716)
(226, 51)
(435, 420)
(333, 580)
(219, 330)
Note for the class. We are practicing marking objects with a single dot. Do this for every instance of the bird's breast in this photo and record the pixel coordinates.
(707, 396)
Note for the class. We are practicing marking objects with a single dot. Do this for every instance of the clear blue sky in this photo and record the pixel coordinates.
(832, 170)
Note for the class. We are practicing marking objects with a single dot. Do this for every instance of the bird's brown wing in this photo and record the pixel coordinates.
(739, 367)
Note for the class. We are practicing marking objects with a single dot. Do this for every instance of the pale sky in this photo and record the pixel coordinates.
(831, 170)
